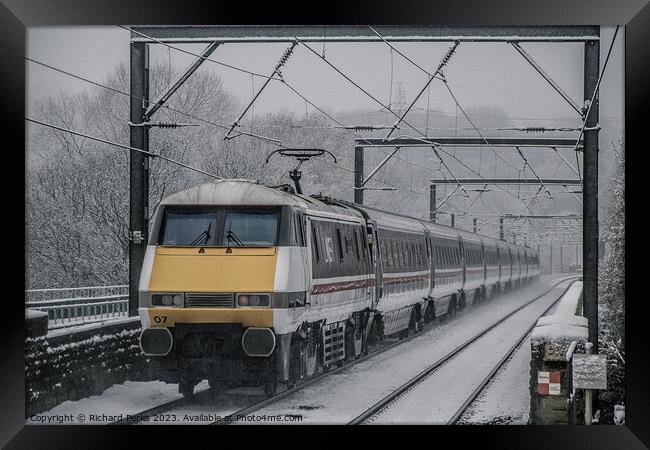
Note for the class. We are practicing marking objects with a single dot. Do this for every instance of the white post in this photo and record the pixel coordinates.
(588, 414)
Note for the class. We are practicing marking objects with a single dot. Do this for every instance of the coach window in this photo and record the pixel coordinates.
(398, 256)
(315, 243)
(398, 259)
(340, 244)
(348, 245)
(407, 254)
(356, 244)
(385, 257)
(416, 255)
(297, 225)
(412, 253)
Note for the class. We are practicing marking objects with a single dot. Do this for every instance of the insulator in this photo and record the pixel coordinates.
(169, 124)
(285, 56)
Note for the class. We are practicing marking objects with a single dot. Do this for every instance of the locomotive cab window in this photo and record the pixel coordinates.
(190, 229)
(257, 229)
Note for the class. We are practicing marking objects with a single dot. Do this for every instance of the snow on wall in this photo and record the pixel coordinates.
(569, 303)
(78, 364)
(563, 324)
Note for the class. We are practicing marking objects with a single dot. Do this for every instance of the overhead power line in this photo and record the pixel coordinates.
(139, 98)
(116, 144)
(218, 125)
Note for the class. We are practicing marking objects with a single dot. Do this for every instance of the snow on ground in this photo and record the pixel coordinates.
(124, 399)
(437, 398)
(506, 398)
(569, 303)
(340, 397)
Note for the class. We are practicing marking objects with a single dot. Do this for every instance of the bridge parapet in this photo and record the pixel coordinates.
(75, 306)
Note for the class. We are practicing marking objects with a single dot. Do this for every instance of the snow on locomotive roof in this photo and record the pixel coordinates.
(249, 192)
(235, 191)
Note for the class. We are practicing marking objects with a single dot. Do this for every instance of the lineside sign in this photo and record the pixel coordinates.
(548, 383)
(589, 371)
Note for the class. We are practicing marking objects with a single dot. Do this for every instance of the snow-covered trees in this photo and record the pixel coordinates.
(611, 292)
(77, 189)
(611, 283)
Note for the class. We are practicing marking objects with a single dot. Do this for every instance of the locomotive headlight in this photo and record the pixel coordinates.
(253, 300)
(167, 300)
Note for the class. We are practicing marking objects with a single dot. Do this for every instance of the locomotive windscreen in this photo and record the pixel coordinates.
(250, 228)
(190, 228)
(227, 228)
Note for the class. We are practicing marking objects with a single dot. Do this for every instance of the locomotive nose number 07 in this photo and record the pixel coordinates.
(160, 319)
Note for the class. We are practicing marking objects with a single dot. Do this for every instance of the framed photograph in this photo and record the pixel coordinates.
(398, 215)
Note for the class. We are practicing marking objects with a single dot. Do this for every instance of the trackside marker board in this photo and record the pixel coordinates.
(589, 371)
(548, 383)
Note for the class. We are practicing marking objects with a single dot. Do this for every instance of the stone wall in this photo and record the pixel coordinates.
(74, 365)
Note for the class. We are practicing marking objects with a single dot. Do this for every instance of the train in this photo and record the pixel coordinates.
(244, 284)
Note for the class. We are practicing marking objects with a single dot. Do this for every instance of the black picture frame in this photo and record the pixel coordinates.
(15, 15)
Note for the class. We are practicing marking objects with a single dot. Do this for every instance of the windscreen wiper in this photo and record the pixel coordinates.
(232, 237)
(205, 233)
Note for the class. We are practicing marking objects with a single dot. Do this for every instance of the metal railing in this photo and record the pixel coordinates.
(77, 306)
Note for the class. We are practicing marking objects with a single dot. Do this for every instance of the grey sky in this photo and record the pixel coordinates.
(482, 74)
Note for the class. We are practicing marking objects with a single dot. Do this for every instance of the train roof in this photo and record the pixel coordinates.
(251, 192)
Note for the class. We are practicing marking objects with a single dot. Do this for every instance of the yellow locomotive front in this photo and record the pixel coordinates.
(215, 293)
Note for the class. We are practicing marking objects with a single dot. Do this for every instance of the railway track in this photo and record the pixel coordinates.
(421, 377)
(256, 407)
(208, 394)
